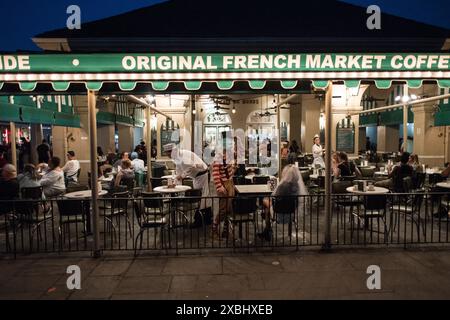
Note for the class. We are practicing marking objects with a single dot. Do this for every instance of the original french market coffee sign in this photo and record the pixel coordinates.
(148, 63)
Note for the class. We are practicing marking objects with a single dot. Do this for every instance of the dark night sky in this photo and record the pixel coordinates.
(22, 19)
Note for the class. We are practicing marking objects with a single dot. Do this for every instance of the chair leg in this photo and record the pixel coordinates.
(136, 241)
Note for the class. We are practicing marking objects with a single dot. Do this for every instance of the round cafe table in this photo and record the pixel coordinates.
(375, 191)
(177, 189)
(445, 184)
(381, 173)
(85, 195)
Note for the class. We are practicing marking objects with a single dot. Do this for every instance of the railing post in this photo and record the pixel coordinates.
(328, 128)
(149, 148)
(92, 111)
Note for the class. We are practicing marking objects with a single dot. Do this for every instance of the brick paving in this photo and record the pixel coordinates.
(419, 273)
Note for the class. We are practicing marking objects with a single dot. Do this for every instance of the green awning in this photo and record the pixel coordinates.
(395, 117)
(67, 120)
(368, 120)
(9, 112)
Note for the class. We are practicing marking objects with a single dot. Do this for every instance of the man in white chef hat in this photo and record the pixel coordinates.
(189, 165)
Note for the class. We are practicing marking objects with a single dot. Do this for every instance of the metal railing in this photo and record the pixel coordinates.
(174, 224)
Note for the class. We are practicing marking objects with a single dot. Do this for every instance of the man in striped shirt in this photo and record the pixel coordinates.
(222, 174)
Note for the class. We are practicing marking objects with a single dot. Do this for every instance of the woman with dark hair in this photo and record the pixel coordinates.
(294, 148)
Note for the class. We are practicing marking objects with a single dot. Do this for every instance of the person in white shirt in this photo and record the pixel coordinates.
(71, 167)
(188, 164)
(136, 163)
(317, 151)
(53, 179)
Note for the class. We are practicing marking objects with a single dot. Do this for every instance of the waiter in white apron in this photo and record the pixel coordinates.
(189, 165)
(317, 152)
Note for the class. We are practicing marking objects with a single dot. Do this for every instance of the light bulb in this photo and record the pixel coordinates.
(194, 111)
(405, 98)
(397, 98)
(234, 110)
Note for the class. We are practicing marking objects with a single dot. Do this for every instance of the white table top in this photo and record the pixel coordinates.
(106, 179)
(253, 189)
(377, 190)
(83, 194)
(314, 176)
(168, 177)
(432, 171)
(444, 184)
(251, 176)
(381, 173)
(178, 188)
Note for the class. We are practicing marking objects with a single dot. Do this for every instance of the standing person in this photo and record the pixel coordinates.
(71, 167)
(43, 151)
(144, 151)
(285, 150)
(223, 172)
(53, 179)
(294, 148)
(189, 165)
(24, 152)
(317, 152)
(368, 144)
(154, 150)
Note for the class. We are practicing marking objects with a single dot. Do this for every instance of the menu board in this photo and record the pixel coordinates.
(169, 136)
(345, 139)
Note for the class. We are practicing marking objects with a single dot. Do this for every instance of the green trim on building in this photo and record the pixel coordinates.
(67, 120)
(9, 112)
(368, 120)
(395, 117)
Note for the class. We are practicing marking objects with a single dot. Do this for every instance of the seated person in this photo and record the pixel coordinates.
(136, 163)
(125, 173)
(291, 184)
(28, 179)
(53, 179)
(446, 172)
(342, 169)
(399, 172)
(71, 167)
(9, 187)
(118, 164)
(414, 163)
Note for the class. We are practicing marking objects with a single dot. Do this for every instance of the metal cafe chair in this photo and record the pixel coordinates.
(189, 205)
(155, 218)
(374, 208)
(284, 209)
(342, 199)
(71, 212)
(119, 208)
(32, 213)
(260, 179)
(244, 210)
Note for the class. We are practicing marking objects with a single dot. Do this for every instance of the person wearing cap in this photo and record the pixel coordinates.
(71, 167)
(189, 165)
(136, 163)
(317, 152)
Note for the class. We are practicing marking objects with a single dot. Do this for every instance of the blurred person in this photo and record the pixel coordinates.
(125, 173)
(53, 179)
(317, 152)
(71, 167)
(136, 163)
(28, 179)
(44, 152)
(9, 187)
(222, 174)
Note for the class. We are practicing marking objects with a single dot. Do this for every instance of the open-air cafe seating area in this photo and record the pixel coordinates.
(174, 218)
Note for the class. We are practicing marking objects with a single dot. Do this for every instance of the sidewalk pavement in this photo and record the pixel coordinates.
(405, 274)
